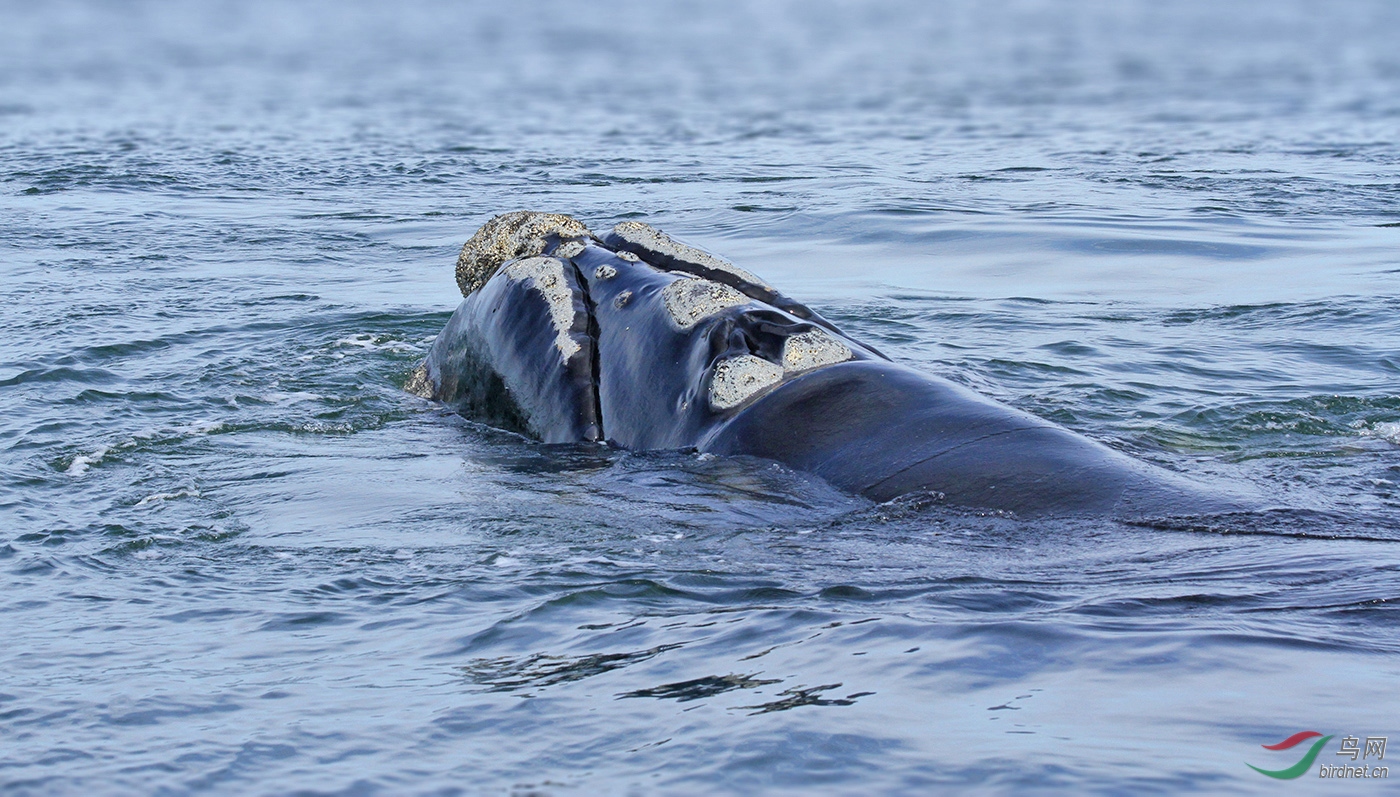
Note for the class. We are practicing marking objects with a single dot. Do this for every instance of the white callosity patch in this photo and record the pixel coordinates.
(508, 236)
(419, 384)
(738, 378)
(604, 272)
(650, 239)
(813, 350)
(569, 249)
(547, 276)
(690, 299)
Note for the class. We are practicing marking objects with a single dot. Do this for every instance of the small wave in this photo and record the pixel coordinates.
(192, 429)
(542, 669)
(1387, 431)
(87, 376)
(161, 497)
(282, 399)
(1315, 524)
(82, 462)
(377, 343)
(699, 688)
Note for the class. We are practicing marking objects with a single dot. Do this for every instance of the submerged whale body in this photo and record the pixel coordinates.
(637, 340)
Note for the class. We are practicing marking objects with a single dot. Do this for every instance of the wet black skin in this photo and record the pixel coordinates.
(867, 425)
(653, 376)
(497, 362)
(761, 293)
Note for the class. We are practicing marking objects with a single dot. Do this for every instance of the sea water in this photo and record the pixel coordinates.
(237, 559)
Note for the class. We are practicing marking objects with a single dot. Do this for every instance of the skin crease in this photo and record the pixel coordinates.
(700, 365)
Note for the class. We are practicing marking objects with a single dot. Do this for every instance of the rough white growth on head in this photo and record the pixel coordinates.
(547, 276)
(629, 257)
(648, 238)
(506, 237)
(418, 382)
(604, 272)
(738, 378)
(690, 299)
(569, 249)
(813, 350)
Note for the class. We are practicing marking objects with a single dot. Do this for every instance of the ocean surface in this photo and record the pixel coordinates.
(236, 558)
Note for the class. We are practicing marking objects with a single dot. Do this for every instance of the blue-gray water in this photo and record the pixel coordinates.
(237, 559)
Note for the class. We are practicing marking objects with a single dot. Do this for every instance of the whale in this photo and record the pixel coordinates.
(636, 340)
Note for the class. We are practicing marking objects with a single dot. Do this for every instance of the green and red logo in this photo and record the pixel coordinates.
(1303, 764)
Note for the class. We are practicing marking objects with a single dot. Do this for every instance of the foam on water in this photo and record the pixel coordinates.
(82, 462)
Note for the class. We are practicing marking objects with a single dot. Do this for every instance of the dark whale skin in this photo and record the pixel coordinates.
(497, 361)
(883, 430)
(653, 377)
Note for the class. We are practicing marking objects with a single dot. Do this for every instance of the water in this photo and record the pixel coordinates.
(239, 560)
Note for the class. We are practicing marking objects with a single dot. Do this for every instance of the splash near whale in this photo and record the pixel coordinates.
(639, 341)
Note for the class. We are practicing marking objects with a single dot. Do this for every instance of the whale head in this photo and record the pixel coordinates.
(635, 338)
